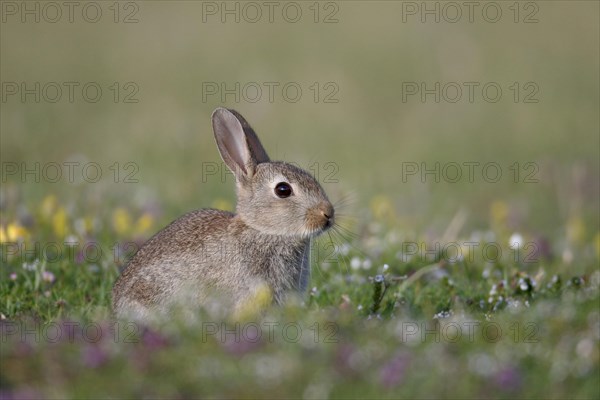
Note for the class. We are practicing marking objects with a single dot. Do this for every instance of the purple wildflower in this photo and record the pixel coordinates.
(94, 356)
(244, 340)
(153, 339)
(508, 379)
(392, 373)
(48, 276)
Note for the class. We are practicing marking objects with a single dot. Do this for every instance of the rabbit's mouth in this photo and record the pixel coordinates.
(328, 224)
(320, 218)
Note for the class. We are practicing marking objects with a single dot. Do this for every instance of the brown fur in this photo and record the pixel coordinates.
(208, 253)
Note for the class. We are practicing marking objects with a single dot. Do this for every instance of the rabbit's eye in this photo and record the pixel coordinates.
(283, 190)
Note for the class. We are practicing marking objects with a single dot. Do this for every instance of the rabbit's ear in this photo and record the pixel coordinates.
(237, 142)
(257, 150)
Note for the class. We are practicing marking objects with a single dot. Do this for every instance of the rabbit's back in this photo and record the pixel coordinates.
(179, 254)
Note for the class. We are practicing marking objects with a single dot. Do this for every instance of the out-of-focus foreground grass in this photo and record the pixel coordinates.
(413, 300)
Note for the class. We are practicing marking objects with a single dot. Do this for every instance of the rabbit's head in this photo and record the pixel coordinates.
(274, 197)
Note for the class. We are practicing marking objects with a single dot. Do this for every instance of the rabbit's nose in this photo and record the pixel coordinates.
(327, 211)
(320, 217)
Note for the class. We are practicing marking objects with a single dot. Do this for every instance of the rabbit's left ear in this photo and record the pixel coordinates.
(257, 151)
(237, 142)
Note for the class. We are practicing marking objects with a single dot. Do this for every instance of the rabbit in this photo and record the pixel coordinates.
(210, 253)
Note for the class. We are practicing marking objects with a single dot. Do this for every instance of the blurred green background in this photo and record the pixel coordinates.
(358, 129)
(373, 48)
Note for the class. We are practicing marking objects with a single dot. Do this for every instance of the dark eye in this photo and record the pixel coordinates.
(283, 190)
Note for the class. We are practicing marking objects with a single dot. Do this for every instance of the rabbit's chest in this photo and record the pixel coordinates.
(275, 261)
(282, 267)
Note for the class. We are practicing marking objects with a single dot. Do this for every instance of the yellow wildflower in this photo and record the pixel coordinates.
(88, 224)
(382, 208)
(144, 223)
(575, 230)
(3, 235)
(222, 204)
(15, 233)
(121, 221)
(499, 213)
(260, 300)
(48, 206)
(59, 223)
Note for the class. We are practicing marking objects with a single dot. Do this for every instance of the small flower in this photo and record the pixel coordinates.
(71, 240)
(385, 267)
(555, 283)
(525, 284)
(153, 339)
(247, 340)
(121, 221)
(443, 314)
(13, 276)
(343, 358)
(222, 204)
(25, 392)
(499, 212)
(94, 356)
(48, 205)
(48, 276)
(567, 256)
(366, 264)
(80, 257)
(15, 233)
(355, 263)
(543, 249)
(32, 266)
(344, 248)
(383, 208)
(392, 373)
(143, 224)
(346, 302)
(576, 230)
(516, 241)
(85, 226)
(508, 379)
(259, 300)
(59, 223)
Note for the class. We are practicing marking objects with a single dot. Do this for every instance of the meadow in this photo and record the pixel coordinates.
(462, 156)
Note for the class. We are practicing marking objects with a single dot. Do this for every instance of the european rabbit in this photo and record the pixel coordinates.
(208, 252)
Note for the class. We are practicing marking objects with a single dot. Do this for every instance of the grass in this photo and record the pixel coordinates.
(417, 260)
(386, 325)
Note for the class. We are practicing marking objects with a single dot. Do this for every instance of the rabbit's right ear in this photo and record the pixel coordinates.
(238, 144)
